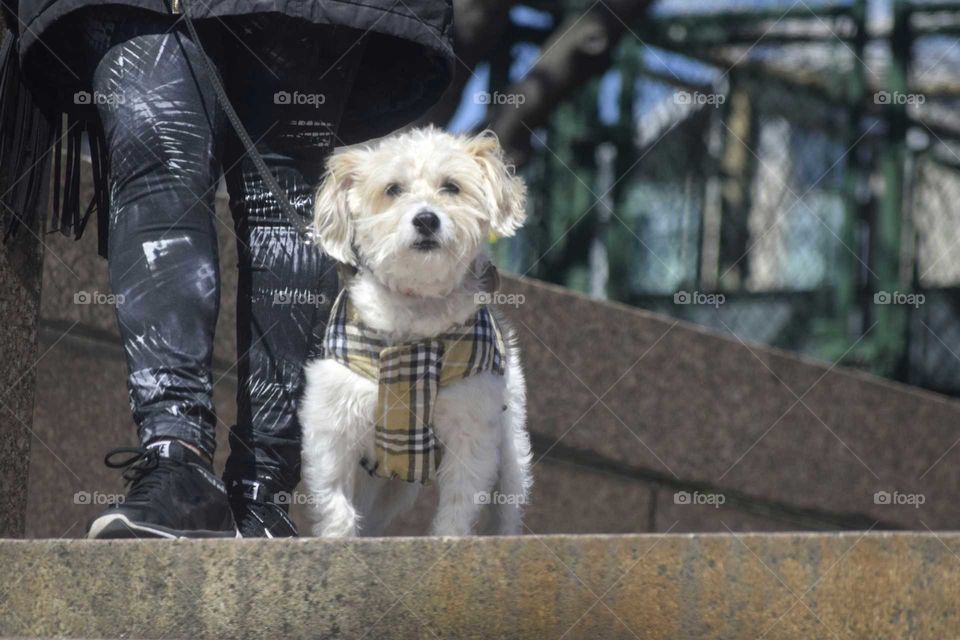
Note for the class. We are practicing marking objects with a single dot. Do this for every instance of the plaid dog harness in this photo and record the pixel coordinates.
(409, 375)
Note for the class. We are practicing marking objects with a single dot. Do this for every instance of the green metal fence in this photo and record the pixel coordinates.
(806, 195)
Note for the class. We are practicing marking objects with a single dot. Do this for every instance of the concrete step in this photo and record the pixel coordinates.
(783, 586)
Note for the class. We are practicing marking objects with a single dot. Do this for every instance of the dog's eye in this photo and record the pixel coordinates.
(393, 190)
(450, 187)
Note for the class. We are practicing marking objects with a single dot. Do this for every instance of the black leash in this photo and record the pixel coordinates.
(296, 220)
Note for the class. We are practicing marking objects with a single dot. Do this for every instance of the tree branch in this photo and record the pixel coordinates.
(579, 50)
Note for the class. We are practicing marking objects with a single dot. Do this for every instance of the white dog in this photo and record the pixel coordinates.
(411, 214)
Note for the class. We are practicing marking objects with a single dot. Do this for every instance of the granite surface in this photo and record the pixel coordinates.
(686, 405)
(21, 260)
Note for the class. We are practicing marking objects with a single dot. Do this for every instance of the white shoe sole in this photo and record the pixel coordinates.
(118, 526)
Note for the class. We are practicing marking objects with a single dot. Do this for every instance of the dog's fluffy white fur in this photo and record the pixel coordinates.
(412, 285)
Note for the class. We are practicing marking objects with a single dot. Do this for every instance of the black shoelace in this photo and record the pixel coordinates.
(142, 469)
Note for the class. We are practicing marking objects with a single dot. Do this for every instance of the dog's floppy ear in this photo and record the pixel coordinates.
(332, 219)
(505, 192)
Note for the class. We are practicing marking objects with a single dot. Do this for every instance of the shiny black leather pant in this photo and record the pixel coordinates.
(168, 144)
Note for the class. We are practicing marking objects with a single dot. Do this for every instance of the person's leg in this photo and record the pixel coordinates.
(159, 125)
(284, 293)
(286, 286)
(158, 111)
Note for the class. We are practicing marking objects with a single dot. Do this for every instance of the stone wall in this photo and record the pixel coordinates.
(631, 414)
(21, 260)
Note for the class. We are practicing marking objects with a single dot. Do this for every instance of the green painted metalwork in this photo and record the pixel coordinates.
(850, 178)
(886, 242)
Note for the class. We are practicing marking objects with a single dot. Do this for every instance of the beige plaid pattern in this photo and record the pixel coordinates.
(409, 376)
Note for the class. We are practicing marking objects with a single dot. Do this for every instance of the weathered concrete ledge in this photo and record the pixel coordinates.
(849, 585)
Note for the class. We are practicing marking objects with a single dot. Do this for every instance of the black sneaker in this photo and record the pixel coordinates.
(172, 494)
(259, 512)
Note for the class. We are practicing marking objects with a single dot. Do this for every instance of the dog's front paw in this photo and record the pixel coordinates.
(451, 526)
(324, 531)
(338, 521)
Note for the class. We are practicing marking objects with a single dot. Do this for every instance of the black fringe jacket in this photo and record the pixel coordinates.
(407, 64)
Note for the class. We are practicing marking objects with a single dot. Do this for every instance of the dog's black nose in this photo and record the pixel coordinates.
(426, 223)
